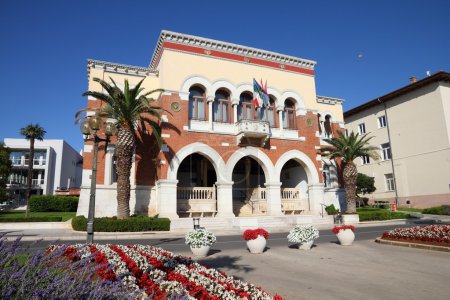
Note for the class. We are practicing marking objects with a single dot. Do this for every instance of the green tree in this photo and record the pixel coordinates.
(365, 184)
(348, 149)
(128, 108)
(31, 132)
(5, 170)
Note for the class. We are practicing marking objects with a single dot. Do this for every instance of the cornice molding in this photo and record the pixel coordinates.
(211, 44)
(119, 68)
(328, 100)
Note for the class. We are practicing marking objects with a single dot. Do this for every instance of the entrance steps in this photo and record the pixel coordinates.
(241, 223)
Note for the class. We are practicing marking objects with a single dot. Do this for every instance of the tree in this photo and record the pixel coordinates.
(31, 132)
(348, 149)
(365, 184)
(5, 170)
(130, 109)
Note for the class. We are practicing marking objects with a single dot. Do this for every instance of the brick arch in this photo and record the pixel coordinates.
(209, 153)
(305, 162)
(255, 153)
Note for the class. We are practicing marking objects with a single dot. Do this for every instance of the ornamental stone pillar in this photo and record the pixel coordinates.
(273, 198)
(235, 103)
(225, 199)
(315, 196)
(210, 100)
(109, 165)
(167, 198)
(280, 110)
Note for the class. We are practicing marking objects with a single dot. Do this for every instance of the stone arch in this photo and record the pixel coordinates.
(196, 80)
(277, 96)
(243, 88)
(264, 161)
(227, 85)
(212, 155)
(299, 103)
(303, 159)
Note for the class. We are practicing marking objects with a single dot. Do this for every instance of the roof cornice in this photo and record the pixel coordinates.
(328, 100)
(119, 68)
(436, 77)
(211, 44)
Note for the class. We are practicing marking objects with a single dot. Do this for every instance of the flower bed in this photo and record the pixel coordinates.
(162, 274)
(432, 234)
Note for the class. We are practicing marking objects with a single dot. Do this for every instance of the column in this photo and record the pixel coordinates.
(225, 199)
(167, 198)
(210, 101)
(315, 196)
(273, 198)
(280, 110)
(109, 164)
(235, 103)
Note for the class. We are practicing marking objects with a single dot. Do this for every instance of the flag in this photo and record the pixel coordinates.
(260, 96)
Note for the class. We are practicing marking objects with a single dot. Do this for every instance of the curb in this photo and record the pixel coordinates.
(413, 245)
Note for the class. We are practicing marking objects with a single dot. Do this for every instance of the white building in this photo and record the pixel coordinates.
(56, 165)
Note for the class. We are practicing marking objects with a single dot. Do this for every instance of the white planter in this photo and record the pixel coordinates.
(346, 237)
(350, 219)
(200, 252)
(306, 245)
(257, 245)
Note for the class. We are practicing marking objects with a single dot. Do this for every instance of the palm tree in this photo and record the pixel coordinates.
(31, 132)
(348, 149)
(129, 108)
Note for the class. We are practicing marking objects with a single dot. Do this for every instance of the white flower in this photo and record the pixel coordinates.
(303, 234)
(200, 237)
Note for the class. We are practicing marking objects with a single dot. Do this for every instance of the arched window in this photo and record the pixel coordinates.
(327, 127)
(221, 107)
(246, 108)
(320, 122)
(289, 114)
(197, 103)
(326, 175)
(269, 113)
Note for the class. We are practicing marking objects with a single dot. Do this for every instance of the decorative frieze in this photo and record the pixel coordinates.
(329, 100)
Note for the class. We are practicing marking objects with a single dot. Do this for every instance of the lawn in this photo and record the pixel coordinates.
(379, 214)
(18, 214)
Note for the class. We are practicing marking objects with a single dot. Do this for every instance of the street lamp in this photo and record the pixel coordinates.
(89, 129)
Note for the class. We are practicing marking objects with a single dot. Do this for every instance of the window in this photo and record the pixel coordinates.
(269, 113)
(362, 128)
(386, 151)
(365, 159)
(221, 107)
(326, 176)
(389, 178)
(382, 122)
(289, 115)
(197, 103)
(246, 107)
(327, 127)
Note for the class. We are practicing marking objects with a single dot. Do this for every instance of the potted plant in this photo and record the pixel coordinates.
(345, 234)
(256, 239)
(303, 235)
(200, 241)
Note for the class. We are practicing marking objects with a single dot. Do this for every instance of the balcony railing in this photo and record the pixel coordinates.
(194, 201)
(253, 129)
(291, 202)
(24, 162)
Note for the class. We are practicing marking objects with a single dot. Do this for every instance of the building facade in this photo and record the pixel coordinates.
(221, 156)
(415, 156)
(56, 166)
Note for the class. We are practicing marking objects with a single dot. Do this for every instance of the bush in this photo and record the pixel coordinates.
(439, 210)
(134, 223)
(331, 210)
(380, 215)
(31, 219)
(47, 203)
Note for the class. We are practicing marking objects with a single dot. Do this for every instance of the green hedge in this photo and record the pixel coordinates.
(134, 223)
(439, 210)
(32, 219)
(47, 203)
(380, 215)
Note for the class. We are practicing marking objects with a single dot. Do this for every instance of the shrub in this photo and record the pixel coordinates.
(134, 223)
(48, 203)
(331, 210)
(32, 219)
(46, 275)
(380, 215)
(439, 210)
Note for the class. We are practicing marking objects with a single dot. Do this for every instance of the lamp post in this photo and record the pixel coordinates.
(88, 128)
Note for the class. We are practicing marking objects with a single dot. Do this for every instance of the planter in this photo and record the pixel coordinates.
(306, 245)
(346, 237)
(257, 245)
(350, 219)
(200, 252)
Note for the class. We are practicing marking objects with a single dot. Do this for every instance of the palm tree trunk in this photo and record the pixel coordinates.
(350, 173)
(30, 175)
(125, 149)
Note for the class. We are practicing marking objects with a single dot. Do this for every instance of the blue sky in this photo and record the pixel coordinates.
(364, 49)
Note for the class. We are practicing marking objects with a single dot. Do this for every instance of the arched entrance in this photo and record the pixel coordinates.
(249, 193)
(196, 191)
(294, 188)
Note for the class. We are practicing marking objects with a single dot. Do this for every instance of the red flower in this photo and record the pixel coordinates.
(336, 229)
(252, 234)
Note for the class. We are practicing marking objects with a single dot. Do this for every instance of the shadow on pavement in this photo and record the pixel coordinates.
(226, 262)
(165, 241)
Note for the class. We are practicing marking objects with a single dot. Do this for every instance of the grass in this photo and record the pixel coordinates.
(379, 214)
(410, 209)
(21, 214)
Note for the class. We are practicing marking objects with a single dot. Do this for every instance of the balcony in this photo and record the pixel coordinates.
(253, 129)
